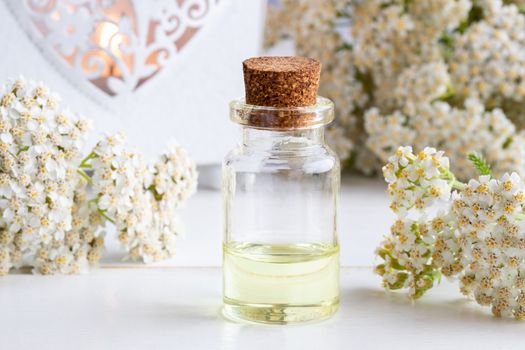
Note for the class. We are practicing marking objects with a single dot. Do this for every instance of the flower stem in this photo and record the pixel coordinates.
(85, 176)
(84, 164)
(105, 216)
(23, 149)
(458, 185)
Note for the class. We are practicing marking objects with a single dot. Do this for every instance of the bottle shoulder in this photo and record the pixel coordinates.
(314, 159)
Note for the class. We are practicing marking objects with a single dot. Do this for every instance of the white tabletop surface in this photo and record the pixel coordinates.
(176, 304)
(179, 308)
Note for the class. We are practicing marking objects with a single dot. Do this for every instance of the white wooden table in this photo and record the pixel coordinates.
(176, 304)
(179, 308)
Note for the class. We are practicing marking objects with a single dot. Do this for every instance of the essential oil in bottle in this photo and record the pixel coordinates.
(281, 283)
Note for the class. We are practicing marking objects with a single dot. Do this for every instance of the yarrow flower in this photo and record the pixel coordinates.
(441, 73)
(461, 129)
(43, 223)
(418, 184)
(476, 234)
(48, 218)
(406, 253)
(488, 59)
(141, 201)
(491, 243)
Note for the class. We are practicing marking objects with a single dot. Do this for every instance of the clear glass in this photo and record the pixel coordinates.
(280, 190)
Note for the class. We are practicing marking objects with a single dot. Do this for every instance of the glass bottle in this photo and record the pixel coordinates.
(280, 192)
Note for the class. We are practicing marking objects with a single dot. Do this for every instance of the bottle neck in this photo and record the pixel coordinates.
(293, 139)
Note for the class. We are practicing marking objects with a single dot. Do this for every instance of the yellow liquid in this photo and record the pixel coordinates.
(284, 283)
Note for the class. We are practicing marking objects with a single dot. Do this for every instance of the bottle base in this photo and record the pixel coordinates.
(278, 313)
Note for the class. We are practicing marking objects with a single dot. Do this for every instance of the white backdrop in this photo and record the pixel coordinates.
(187, 101)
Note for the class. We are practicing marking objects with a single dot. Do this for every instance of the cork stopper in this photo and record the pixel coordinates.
(281, 81)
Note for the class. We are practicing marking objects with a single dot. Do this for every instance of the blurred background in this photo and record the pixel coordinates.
(443, 73)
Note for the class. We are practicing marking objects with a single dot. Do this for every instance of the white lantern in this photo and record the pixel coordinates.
(156, 69)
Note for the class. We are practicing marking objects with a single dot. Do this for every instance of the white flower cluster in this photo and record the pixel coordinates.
(417, 185)
(413, 61)
(419, 85)
(40, 192)
(141, 201)
(48, 220)
(460, 130)
(488, 60)
(173, 177)
(390, 38)
(490, 216)
(407, 255)
(417, 182)
(476, 234)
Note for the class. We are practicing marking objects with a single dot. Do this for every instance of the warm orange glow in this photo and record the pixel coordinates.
(110, 38)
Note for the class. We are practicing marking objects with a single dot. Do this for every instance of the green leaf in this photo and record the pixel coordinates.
(23, 149)
(406, 4)
(447, 45)
(475, 15)
(399, 282)
(343, 14)
(156, 195)
(382, 253)
(507, 142)
(396, 265)
(343, 47)
(480, 164)
(380, 269)
(367, 81)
